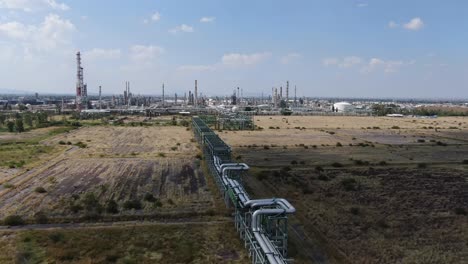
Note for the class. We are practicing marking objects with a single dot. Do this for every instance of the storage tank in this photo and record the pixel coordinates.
(343, 107)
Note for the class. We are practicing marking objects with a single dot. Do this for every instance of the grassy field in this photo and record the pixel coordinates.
(165, 243)
(383, 195)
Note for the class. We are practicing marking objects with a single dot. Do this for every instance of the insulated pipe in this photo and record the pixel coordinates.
(265, 244)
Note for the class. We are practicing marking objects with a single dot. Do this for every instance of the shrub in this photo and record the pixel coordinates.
(41, 218)
(238, 157)
(422, 165)
(338, 144)
(383, 163)
(395, 127)
(173, 148)
(40, 190)
(465, 161)
(440, 143)
(160, 154)
(318, 168)
(112, 207)
(75, 208)
(8, 185)
(361, 162)
(349, 184)
(132, 204)
(13, 220)
(266, 147)
(261, 175)
(323, 177)
(61, 142)
(421, 140)
(56, 237)
(336, 165)
(294, 162)
(149, 197)
(81, 145)
(354, 210)
(460, 211)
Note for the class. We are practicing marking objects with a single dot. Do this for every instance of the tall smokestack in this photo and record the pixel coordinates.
(100, 102)
(281, 92)
(79, 81)
(196, 94)
(276, 97)
(287, 92)
(163, 95)
(295, 98)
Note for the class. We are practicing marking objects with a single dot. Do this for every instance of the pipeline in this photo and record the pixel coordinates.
(262, 223)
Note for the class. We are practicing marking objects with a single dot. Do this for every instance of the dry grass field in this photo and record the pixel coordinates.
(142, 171)
(158, 243)
(383, 195)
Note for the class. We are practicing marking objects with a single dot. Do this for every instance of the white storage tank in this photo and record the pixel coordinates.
(343, 107)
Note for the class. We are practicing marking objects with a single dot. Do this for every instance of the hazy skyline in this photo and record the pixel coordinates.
(327, 48)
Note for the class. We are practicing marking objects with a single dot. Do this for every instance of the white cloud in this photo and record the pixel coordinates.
(156, 17)
(291, 57)
(197, 68)
(182, 28)
(145, 53)
(97, 54)
(330, 61)
(346, 62)
(207, 19)
(50, 34)
(390, 66)
(349, 62)
(414, 24)
(33, 5)
(362, 5)
(392, 24)
(237, 59)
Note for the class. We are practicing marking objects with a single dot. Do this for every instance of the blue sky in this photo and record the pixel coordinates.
(326, 48)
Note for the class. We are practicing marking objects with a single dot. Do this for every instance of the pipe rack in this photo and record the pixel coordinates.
(261, 223)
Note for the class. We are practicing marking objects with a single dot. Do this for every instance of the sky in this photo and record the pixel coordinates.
(327, 48)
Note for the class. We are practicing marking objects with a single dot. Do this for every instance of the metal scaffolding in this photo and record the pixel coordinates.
(261, 223)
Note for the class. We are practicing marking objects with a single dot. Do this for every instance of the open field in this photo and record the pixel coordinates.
(111, 171)
(215, 242)
(389, 197)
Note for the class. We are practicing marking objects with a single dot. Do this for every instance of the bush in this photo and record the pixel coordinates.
(349, 184)
(81, 145)
(41, 218)
(174, 148)
(440, 143)
(40, 190)
(323, 177)
(338, 144)
(160, 154)
(336, 165)
(422, 165)
(383, 163)
(421, 140)
(61, 142)
(460, 211)
(112, 207)
(266, 147)
(465, 161)
(318, 168)
(132, 204)
(395, 127)
(354, 210)
(149, 198)
(13, 220)
(293, 162)
(361, 162)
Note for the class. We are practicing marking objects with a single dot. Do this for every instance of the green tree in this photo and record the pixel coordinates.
(19, 125)
(2, 119)
(11, 126)
(28, 119)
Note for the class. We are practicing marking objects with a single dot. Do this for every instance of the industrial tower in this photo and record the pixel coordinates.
(81, 89)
